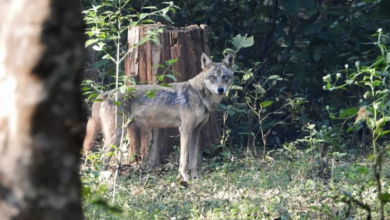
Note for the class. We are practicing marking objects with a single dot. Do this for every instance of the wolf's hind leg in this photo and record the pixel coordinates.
(93, 127)
(111, 133)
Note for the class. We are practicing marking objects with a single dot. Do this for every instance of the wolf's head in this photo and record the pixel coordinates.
(218, 76)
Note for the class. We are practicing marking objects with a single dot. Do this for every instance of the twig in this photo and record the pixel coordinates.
(124, 126)
(227, 189)
(358, 203)
(377, 175)
(268, 37)
(249, 29)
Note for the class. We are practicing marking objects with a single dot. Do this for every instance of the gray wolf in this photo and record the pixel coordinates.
(186, 105)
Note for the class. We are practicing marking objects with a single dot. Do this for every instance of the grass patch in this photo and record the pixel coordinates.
(247, 188)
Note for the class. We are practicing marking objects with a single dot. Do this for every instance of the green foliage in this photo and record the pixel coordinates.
(296, 40)
(108, 22)
(277, 104)
(372, 80)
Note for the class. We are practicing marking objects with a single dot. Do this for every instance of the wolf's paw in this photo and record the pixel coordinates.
(183, 176)
(194, 174)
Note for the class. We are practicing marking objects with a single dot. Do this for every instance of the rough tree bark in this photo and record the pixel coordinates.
(187, 44)
(41, 117)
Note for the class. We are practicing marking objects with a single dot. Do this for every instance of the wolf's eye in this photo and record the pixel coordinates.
(212, 77)
(225, 77)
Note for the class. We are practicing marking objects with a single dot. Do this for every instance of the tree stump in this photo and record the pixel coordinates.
(187, 45)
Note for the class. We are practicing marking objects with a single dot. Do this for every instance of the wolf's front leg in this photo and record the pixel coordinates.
(194, 148)
(193, 153)
(185, 142)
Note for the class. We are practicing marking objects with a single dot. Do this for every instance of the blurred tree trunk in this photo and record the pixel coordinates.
(41, 117)
(187, 45)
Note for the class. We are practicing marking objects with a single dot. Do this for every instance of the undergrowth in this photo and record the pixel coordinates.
(234, 188)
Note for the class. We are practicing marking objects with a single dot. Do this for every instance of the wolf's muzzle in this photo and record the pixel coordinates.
(221, 90)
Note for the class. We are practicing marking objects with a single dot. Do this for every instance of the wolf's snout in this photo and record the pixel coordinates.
(220, 90)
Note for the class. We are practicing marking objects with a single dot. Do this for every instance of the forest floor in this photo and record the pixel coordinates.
(234, 188)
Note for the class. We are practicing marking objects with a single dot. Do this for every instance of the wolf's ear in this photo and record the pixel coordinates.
(206, 61)
(228, 61)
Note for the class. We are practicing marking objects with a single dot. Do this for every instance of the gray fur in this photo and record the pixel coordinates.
(185, 105)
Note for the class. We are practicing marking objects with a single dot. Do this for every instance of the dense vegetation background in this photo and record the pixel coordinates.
(296, 96)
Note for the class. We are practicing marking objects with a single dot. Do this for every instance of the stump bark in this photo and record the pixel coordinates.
(187, 45)
(41, 116)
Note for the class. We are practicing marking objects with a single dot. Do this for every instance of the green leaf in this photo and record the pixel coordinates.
(131, 89)
(352, 128)
(338, 154)
(363, 170)
(247, 75)
(248, 42)
(168, 3)
(106, 57)
(348, 112)
(97, 48)
(377, 83)
(117, 103)
(388, 58)
(102, 204)
(266, 104)
(166, 85)
(382, 133)
(381, 122)
(92, 96)
(384, 197)
(310, 184)
(122, 89)
(91, 41)
(143, 15)
(165, 11)
(171, 77)
(228, 50)
(273, 77)
(258, 88)
(370, 123)
(150, 7)
(170, 62)
(151, 93)
(158, 66)
(168, 19)
(240, 41)
(147, 21)
(234, 87)
(160, 77)
(85, 190)
(314, 207)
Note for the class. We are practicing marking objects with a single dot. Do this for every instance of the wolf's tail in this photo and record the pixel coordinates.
(94, 124)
